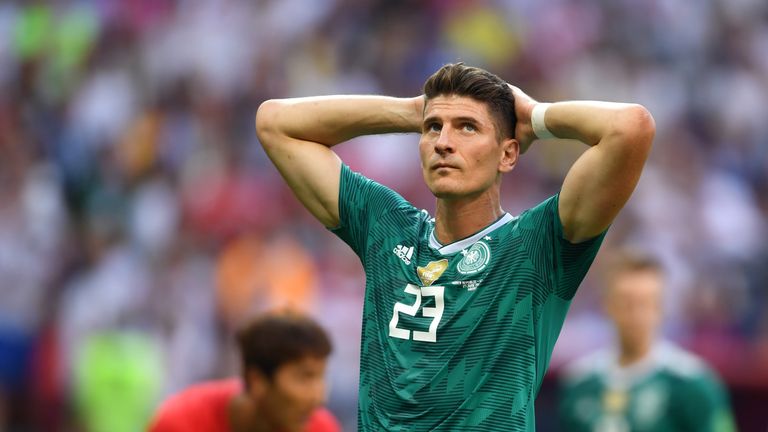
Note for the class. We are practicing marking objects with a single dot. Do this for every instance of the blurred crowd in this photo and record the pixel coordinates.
(140, 221)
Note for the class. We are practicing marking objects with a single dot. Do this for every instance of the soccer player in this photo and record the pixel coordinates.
(643, 384)
(462, 310)
(284, 358)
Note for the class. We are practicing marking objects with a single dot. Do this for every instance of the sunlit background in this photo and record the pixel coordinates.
(141, 222)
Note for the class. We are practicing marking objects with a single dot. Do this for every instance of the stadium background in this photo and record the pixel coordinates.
(140, 221)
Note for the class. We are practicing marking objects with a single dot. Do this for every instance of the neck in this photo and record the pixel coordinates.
(631, 353)
(456, 219)
(244, 415)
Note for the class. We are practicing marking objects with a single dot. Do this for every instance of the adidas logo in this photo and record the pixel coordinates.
(404, 252)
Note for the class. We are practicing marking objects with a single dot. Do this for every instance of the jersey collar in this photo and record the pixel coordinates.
(467, 242)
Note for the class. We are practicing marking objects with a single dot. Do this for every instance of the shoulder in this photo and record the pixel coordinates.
(546, 208)
(203, 403)
(681, 363)
(698, 385)
(533, 224)
(323, 421)
(206, 392)
(357, 190)
(588, 366)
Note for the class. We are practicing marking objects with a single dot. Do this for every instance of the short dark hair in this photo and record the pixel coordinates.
(276, 338)
(479, 84)
(629, 260)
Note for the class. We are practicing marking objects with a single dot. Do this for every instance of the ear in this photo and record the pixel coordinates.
(256, 385)
(510, 148)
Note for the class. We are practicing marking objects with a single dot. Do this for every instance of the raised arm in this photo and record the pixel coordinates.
(297, 135)
(601, 180)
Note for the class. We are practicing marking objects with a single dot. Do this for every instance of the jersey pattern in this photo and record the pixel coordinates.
(456, 337)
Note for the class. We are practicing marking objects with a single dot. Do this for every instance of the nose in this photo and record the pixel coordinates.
(443, 144)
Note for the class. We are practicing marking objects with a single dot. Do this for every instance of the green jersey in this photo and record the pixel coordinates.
(669, 390)
(456, 337)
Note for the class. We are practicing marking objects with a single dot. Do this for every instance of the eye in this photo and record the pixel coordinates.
(469, 127)
(433, 127)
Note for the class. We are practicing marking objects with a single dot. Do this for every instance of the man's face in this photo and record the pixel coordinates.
(296, 390)
(633, 303)
(459, 148)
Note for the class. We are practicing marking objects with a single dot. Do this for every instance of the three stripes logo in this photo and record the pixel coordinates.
(404, 253)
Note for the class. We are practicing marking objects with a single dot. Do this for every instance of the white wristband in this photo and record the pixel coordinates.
(537, 121)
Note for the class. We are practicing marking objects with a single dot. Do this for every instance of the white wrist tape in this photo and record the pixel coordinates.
(537, 121)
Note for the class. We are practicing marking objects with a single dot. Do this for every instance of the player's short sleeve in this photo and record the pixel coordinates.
(567, 262)
(704, 405)
(362, 203)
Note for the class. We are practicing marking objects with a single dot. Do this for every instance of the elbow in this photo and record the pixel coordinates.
(643, 123)
(636, 124)
(267, 126)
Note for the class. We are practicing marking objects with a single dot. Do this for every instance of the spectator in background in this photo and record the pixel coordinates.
(116, 381)
(644, 383)
(284, 359)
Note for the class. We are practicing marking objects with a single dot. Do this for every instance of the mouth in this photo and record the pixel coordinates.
(443, 165)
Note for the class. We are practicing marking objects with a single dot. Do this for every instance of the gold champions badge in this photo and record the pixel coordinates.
(432, 271)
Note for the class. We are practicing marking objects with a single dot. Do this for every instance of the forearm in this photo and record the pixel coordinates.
(591, 122)
(329, 120)
(602, 179)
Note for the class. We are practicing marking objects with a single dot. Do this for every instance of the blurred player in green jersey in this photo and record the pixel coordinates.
(461, 310)
(644, 383)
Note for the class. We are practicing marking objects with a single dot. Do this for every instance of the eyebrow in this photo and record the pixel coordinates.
(465, 119)
(462, 119)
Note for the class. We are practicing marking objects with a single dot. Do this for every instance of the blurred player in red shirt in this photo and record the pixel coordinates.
(284, 357)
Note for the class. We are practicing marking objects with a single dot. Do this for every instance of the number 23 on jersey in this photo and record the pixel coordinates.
(436, 313)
